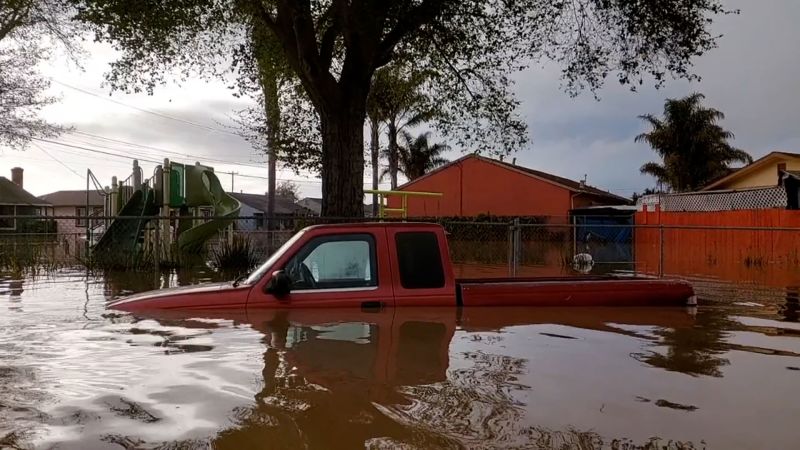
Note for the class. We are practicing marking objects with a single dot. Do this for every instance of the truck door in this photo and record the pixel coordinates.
(420, 272)
(335, 270)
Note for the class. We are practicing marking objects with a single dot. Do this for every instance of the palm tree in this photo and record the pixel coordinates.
(693, 147)
(398, 99)
(417, 156)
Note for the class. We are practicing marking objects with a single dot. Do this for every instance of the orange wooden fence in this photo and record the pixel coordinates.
(722, 247)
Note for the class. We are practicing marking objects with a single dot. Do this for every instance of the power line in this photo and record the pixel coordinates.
(188, 122)
(146, 159)
(89, 158)
(162, 150)
(148, 111)
(256, 165)
(56, 159)
(95, 150)
(92, 150)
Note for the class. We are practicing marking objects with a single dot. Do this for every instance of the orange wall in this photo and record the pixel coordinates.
(764, 257)
(473, 187)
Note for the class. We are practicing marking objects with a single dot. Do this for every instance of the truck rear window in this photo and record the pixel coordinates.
(419, 260)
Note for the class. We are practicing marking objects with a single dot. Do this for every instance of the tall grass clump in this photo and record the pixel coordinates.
(237, 254)
(26, 255)
(145, 259)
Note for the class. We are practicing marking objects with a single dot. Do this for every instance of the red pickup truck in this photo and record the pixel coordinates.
(395, 264)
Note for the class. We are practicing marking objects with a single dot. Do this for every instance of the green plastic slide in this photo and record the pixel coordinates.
(204, 188)
(124, 235)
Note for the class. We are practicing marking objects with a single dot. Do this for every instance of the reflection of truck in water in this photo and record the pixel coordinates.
(396, 264)
(342, 377)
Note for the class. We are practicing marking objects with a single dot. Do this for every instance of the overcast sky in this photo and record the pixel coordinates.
(752, 77)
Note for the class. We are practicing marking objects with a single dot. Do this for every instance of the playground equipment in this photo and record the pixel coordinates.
(383, 197)
(192, 194)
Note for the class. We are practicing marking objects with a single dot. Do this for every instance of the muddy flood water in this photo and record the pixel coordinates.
(74, 375)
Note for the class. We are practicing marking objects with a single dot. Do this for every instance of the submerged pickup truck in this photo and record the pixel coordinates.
(377, 265)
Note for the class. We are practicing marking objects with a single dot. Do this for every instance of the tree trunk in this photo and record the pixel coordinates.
(343, 159)
(393, 153)
(269, 86)
(374, 146)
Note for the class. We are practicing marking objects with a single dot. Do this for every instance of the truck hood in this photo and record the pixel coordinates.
(199, 296)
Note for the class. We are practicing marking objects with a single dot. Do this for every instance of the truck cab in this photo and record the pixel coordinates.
(364, 265)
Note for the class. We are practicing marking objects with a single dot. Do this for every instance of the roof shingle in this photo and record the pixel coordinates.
(11, 194)
(73, 198)
(566, 182)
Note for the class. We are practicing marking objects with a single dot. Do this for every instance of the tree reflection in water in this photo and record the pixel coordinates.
(694, 350)
(790, 311)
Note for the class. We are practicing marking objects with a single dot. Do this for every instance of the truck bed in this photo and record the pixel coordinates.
(574, 291)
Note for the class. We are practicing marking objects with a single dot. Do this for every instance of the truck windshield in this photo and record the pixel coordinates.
(259, 273)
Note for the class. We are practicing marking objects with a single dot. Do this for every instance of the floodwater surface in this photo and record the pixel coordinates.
(74, 375)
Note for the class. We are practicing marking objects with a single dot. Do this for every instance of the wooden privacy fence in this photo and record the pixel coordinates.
(744, 246)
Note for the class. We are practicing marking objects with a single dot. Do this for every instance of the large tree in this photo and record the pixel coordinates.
(29, 31)
(471, 46)
(693, 146)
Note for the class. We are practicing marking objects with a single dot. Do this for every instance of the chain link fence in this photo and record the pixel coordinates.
(480, 247)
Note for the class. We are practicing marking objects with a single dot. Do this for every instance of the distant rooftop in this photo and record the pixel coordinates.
(73, 198)
(283, 206)
(11, 194)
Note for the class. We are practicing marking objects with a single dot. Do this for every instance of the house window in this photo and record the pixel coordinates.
(7, 222)
(80, 216)
(259, 217)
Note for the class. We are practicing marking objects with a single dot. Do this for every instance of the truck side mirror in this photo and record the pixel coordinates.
(280, 284)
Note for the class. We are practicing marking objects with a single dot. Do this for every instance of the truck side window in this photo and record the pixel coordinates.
(334, 262)
(420, 260)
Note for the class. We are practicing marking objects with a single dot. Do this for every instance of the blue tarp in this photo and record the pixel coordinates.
(608, 238)
(605, 229)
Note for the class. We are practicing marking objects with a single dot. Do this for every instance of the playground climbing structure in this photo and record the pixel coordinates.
(179, 208)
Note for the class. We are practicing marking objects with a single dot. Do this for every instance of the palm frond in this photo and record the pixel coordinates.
(656, 170)
(740, 155)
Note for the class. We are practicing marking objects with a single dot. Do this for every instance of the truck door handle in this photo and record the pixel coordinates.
(371, 306)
